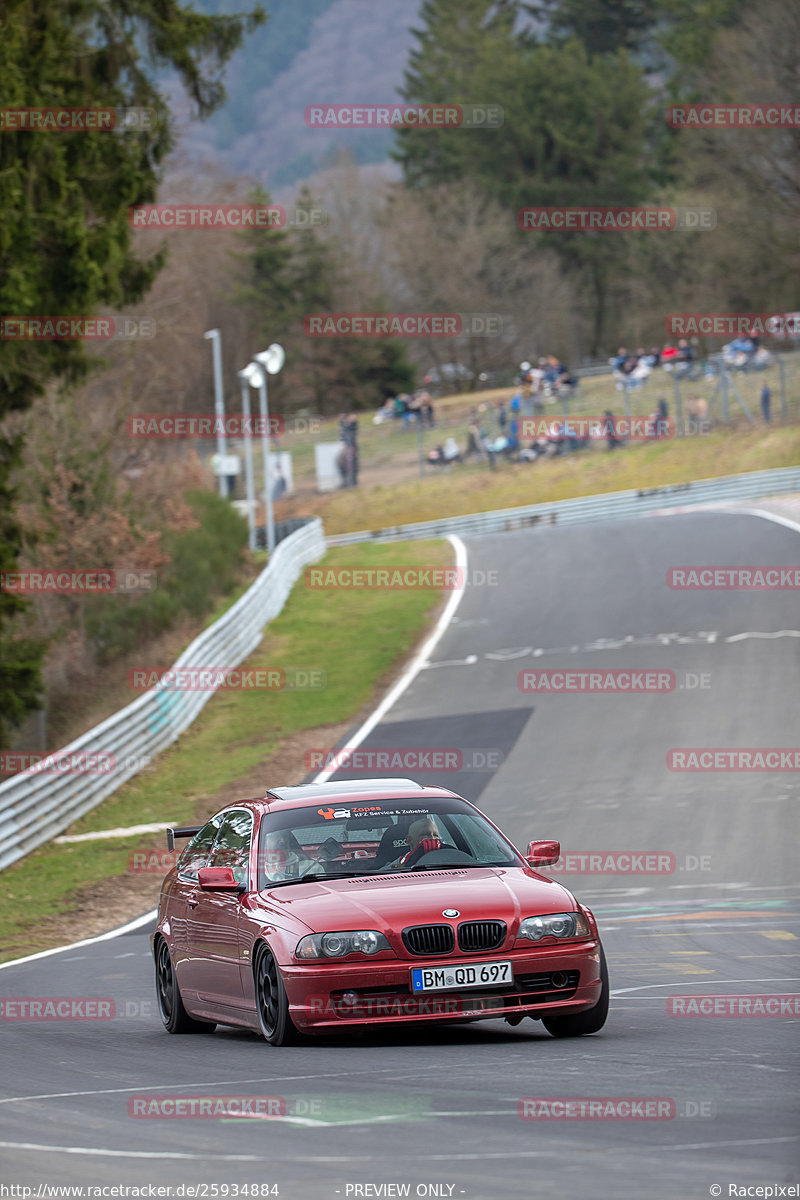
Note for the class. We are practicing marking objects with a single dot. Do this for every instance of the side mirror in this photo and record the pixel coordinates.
(541, 854)
(219, 879)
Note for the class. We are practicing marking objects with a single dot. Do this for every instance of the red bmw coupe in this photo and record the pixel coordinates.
(367, 902)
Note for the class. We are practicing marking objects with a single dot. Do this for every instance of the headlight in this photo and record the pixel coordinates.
(337, 945)
(559, 925)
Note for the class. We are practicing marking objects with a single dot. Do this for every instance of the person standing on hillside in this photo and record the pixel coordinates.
(349, 428)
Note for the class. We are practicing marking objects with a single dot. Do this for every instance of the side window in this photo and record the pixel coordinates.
(195, 855)
(232, 847)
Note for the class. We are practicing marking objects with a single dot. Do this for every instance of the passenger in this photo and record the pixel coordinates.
(284, 857)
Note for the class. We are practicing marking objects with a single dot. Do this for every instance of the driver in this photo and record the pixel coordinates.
(422, 837)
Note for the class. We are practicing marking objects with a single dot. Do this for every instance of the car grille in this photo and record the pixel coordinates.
(474, 936)
(429, 939)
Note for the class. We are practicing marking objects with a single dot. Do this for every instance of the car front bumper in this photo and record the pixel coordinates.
(549, 980)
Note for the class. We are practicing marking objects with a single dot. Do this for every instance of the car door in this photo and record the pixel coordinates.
(212, 969)
(183, 888)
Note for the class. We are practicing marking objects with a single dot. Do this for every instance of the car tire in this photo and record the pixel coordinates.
(168, 996)
(591, 1020)
(272, 1003)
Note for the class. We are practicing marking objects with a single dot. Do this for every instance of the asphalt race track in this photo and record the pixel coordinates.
(437, 1110)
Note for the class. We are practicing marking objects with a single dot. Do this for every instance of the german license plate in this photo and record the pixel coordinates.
(479, 975)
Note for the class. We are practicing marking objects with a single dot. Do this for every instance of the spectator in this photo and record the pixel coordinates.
(474, 442)
(279, 484)
(341, 463)
(766, 401)
(513, 436)
(697, 409)
(399, 407)
(502, 416)
(348, 426)
(611, 430)
(451, 451)
(660, 419)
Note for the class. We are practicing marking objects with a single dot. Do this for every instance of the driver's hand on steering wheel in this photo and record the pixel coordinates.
(424, 846)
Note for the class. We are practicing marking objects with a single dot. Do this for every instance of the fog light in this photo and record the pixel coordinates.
(559, 979)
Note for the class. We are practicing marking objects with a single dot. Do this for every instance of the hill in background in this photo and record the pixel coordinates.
(315, 51)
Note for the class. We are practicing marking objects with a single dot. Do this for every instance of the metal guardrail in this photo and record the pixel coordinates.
(36, 806)
(607, 506)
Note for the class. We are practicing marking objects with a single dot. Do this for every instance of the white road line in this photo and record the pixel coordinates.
(157, 1087)
(147, 919)
(318, 1123)
(781, 633)
(646, 987)
(469, 661)
(128, 831)
(416, 665)
(97, 1152)
(677, 886)
(737, 1142)
(770, 516)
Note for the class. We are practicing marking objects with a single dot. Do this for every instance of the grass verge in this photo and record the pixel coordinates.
(356, 638)
(466, 488)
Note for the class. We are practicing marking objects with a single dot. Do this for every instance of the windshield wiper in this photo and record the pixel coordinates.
(312, 877)
(453, 866)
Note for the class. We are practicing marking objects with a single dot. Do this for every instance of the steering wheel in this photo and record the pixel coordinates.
(329, 850)
(447, 855)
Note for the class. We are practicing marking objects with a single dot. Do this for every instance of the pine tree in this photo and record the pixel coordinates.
(458, 41)
(65, 241)
(602, 26)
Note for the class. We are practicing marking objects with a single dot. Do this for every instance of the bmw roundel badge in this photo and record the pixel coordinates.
(451, 912)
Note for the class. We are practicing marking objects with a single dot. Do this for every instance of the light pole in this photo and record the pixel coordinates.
(244, 379)
(215, 337)
(270, 362)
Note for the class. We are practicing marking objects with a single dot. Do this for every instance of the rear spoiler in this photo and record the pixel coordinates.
(187, 832)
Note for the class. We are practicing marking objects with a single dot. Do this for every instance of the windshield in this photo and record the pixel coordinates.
(377, 838)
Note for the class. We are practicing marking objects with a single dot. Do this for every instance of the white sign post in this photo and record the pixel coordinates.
(325, 456)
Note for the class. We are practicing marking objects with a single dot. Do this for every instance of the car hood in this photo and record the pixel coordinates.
(391, 902)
